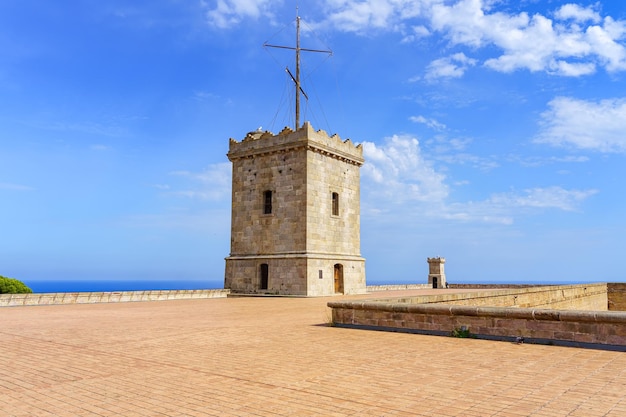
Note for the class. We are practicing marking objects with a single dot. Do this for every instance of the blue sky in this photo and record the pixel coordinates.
(493, 132)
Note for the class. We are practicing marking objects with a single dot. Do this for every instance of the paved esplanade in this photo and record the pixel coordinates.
(277, 357)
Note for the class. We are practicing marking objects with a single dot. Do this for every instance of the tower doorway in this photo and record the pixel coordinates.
(338, 275)
(265, 275)
(434, 282)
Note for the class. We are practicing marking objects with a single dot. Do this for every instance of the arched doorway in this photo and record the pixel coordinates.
(338, 275)
(264, 275)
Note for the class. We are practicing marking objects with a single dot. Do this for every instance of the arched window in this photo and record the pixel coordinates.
(335, 201)
(267, 202)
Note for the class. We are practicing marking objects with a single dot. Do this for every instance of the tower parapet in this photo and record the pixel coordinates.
(266, 143)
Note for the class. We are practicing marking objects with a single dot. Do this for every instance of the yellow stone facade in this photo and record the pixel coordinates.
(295, 225)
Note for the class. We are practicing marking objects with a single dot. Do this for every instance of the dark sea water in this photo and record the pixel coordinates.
(110, 285)
(46, 286)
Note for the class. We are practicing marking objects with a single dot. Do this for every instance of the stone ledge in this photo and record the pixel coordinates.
(468, 311)
(14, 300)
(437, 314)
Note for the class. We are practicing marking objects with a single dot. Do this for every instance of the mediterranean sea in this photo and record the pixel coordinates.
(48, 286)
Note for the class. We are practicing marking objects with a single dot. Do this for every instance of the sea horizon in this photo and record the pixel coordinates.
(112, 285)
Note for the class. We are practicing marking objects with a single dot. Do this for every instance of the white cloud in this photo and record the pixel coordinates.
(588, 125)
(398, 171)
(228, 13)
(536, 43)
(503, 208)
(574, 42)
(450, 67)
(363, 16)
(211, 184)
(399, 180)
(549, 197)
(416, 32)
(577, 13)
(603, 41)
(431, 123)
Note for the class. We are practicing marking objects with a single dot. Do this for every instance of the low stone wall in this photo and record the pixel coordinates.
(575, 328)
(616, 293)
(493, 286)
(562, 297)
(398, 287)
(555, 314)
(10, 300)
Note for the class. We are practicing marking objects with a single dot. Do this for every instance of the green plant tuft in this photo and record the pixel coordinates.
(462, 332)
(13, 286)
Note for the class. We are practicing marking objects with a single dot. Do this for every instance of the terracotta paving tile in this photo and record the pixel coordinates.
(273, 357)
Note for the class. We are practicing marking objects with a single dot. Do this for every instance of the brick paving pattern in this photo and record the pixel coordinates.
(278, 357)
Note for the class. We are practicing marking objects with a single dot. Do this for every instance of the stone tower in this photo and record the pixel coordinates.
(436, 274)
(295, 214)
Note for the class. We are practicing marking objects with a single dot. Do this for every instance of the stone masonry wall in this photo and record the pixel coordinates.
(353, 275)
(252, 231)
(617, 296)
(570, 327)
(563, 297)
(328, 233)
(12, 300)
(574, 314)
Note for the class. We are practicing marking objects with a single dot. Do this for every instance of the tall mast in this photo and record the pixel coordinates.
(298, 88)
(296, 78)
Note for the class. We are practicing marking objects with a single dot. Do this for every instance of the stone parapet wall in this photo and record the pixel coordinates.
(577, 328)
(11, 300)
(492, 286)
(565, 314)
(616, 293)
(398, 287)
(260, 142)
(563, 297)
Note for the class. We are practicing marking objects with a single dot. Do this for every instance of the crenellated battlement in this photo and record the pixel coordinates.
(266, 142)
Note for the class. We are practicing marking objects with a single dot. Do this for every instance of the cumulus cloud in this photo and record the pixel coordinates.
(416, 32)
(570, 41)
(536, 43)
(577, 13)
(588, 125)
(398, 170)
(399, 179)
(364, 16)
(453, 66)
(228, 13)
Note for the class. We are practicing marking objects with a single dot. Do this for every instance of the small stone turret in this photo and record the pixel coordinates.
(436, 274)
